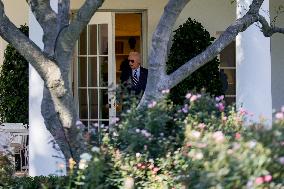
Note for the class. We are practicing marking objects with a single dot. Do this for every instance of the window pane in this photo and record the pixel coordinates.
(93, 103)
(93, 39)
(83, 107)
(93, 72)
(228, 56)
(230, 77)
(103, 39)
(82, 71)
(83, 43)
(103, 71)
(230, 100)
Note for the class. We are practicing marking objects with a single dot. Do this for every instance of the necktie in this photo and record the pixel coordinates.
(135, 78)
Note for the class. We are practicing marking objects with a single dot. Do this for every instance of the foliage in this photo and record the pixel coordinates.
(39, 182)
(6, 170)
(189, 40)
(200, 144)
(14, 86)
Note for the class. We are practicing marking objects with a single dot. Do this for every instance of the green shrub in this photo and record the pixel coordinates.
(6, 170)
(14, 78)
(200, 144)
(189, 40)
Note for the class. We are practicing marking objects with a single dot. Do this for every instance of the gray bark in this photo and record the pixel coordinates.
(53, 65)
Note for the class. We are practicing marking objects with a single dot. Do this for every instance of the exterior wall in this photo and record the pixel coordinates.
(204, 11)
(17, 11)
(277, 56)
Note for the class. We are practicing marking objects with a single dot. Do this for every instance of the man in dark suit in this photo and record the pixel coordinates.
(136, 78)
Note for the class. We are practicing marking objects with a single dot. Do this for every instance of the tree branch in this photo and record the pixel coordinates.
(162, 34)
(68, 37)
(268, 30)
(47, 19)
(63, 13)
(212, 51)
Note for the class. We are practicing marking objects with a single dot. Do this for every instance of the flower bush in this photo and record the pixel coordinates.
(201, 144)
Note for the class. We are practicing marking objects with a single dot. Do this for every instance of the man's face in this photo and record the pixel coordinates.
(133, 61)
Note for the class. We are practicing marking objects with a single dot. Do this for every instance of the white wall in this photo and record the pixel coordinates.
(277, 53)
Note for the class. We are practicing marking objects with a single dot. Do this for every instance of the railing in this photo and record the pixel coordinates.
(17, 133)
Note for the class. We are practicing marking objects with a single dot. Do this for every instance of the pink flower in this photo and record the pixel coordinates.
(242, 111)
(238, 136)
(224, 118)
(193, 98)
(267, 178)
(279, 115)
(220, 106)
(219, 98)
(185, 108)
(201, 125)
(219, 136)
(188, 95)
(152, 104)
(259, 180)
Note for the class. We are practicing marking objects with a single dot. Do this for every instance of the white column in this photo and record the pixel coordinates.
(253, 62)
(41, 152)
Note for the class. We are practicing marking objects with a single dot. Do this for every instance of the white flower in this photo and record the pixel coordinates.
(166, 91)
(138, 155)
(281, 160)
(196, 134)
(137, 130)
(95, 149)
(86, 156)
(152, 104)
(198, 156)
(188, 95)
(252, 144)
(83, 164)
(282, 109)
(279, 115)
(219, 136)
(151, 160)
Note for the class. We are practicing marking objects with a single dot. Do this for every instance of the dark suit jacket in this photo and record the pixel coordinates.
(126, 80)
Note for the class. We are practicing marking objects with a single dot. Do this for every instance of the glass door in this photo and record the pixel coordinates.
(94, 81)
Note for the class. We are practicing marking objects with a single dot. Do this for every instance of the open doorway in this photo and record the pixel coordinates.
(102, 49)
(128, 37)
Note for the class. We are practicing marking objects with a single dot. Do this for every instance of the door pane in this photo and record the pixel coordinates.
(83, 106)
(104, 104)
(82, 71)
(103, 39)
(83, 43)
(93, 103)
(103, 71)
(93, 72)
(93, 39)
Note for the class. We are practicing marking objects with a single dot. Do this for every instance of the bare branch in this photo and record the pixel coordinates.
(268, 30)
(213, 50)
(68, 37)
(47, 19)
(63, 12)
